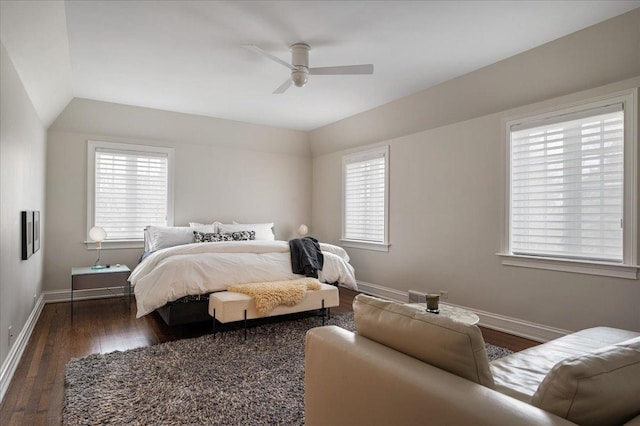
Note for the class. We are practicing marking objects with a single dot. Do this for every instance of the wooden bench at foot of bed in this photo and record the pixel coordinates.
(228, 306)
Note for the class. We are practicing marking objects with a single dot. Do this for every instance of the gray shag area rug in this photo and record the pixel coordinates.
(221, 381)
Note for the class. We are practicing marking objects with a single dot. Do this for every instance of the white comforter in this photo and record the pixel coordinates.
(200, 268)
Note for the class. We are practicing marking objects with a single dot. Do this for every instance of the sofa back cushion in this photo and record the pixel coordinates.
(435, 339)
(599, 388)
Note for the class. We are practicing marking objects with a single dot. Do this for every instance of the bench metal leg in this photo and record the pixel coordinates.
(214, 323)
(324, 312)
(245, 324)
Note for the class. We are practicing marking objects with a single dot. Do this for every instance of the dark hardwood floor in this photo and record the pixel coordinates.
(36, 393)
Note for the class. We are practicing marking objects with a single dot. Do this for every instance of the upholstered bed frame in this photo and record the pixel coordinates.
(187, 310)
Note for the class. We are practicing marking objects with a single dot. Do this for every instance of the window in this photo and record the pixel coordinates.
(366, 199)
(129, 187)
(572, 188)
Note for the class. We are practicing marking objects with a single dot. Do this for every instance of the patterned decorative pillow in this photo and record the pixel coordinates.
(243, 235)
(211, 237)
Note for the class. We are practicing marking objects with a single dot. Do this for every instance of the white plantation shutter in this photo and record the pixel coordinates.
(131, 191)
(365, 176)
(567, 186)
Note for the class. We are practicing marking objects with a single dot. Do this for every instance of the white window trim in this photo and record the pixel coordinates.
(367, 245)
(606, 269)
(628, 268)
(91, 175)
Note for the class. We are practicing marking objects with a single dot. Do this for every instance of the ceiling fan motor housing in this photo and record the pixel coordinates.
(300, 70)
(300, 60)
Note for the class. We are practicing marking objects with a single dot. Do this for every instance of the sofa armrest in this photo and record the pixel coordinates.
(633, 422)
(350, 379)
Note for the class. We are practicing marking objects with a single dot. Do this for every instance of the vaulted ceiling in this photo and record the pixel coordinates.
(187, 56)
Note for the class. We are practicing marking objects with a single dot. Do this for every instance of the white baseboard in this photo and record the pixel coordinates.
(518, 327)
(10, 364)
(56, 296)
(385, 292)
(515, 326)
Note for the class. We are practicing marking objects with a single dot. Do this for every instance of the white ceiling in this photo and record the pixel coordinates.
(187, 56)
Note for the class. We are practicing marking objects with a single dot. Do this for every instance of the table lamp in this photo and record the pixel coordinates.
(98, 234)
(303, 230)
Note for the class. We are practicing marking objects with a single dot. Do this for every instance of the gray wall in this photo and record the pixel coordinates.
(224, 170)
(447, 187)
(22, 186)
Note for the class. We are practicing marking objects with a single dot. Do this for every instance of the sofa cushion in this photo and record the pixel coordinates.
(436, 339)
(519, 375)
(599, 388)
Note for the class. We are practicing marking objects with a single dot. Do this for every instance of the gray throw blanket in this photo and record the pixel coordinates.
(306, 257)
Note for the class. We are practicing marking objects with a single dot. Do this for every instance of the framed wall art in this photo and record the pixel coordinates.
(36, 231)
(27, 234)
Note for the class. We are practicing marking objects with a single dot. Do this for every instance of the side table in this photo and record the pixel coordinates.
(114, 276)
(453, 312)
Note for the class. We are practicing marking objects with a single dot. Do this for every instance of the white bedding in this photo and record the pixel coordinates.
(200, 268)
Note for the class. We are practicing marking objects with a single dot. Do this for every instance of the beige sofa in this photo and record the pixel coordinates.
(408, 367)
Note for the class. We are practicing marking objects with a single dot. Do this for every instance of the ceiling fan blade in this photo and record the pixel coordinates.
(283, 87)
(268, 55)
(346, 69)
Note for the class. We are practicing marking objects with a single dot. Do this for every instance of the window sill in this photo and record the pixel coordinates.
(116, 244)
(366, 245)
(605, 269)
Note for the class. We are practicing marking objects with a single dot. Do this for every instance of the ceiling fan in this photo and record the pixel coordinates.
(300, 70)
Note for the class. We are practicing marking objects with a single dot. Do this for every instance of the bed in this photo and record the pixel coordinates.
(176, 274)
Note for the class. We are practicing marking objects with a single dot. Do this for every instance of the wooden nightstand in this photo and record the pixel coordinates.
(115, 276)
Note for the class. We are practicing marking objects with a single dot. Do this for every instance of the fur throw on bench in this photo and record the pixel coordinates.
(268, 295)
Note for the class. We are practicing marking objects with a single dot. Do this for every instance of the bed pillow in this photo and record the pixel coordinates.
(211, 237)
(263, 230)
(338, 251)
(161, 237)
(197, 224)
(168, 236)
(214, 237)
(243, 235)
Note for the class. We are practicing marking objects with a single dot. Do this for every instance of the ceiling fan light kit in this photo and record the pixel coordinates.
(300, 66)
(299, 77)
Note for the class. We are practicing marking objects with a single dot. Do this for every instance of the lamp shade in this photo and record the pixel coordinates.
(98, 234)
(303, 230)
(299, 77)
